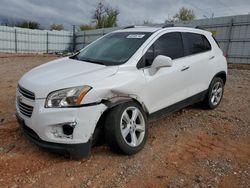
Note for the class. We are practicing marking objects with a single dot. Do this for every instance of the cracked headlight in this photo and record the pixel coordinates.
(69, 97)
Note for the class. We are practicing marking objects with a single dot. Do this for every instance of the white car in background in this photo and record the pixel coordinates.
(112, 87)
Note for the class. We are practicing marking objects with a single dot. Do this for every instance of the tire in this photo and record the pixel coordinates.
(119, 122)
(215, 94)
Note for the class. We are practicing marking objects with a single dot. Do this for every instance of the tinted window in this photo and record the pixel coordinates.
(149, 56)
(113, 49)
(169, 45)
(195, 43)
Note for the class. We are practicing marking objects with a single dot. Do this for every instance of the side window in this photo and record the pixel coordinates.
(195, 43)
(207, 45)
(169, 44)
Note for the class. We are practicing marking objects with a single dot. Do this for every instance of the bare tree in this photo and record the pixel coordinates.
(105, 16)
(99, 14)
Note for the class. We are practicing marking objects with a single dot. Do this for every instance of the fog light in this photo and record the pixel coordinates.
(64, 130)
(68, 129)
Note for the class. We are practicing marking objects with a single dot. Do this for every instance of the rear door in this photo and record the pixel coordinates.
(198, 56)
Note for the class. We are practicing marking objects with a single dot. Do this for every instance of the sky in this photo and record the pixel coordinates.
(132, 12)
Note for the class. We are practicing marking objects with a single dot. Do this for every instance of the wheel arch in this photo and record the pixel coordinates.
(112, 102)
(98, 133)
(222, 75)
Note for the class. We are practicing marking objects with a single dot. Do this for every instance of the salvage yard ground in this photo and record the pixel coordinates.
(192, 147)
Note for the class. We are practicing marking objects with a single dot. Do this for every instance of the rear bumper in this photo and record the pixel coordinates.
(74, 151)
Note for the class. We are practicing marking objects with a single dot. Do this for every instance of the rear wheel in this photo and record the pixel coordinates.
(215, 93)
(126, 128)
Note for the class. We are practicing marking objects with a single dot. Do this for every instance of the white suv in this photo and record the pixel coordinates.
(112, 87)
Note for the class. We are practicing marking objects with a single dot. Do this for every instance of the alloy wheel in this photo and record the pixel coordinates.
(132, 126)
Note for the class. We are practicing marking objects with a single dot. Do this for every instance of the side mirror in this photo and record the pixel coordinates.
(159, 62)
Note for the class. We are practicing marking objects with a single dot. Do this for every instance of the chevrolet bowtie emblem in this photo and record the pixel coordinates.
(20, 98)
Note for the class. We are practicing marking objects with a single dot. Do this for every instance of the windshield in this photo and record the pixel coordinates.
(113, 49)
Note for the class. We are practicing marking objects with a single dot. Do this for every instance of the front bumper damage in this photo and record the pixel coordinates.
(74, 151)
(45, 127)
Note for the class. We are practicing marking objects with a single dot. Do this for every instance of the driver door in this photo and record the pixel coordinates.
(168, 85)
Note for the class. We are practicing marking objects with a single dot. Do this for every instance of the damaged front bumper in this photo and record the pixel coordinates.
(62, 130)
(74, 151)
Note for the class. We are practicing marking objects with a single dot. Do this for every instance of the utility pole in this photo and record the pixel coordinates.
(74, 38)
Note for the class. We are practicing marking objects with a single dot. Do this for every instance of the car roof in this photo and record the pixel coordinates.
(160, 29)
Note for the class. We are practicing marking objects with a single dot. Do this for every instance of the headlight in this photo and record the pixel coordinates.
(69, 97)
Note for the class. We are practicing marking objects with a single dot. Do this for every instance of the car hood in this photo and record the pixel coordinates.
(63, 73)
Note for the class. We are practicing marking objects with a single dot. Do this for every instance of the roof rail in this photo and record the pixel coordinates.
(168, 25)
(129, 27)
(199, 27)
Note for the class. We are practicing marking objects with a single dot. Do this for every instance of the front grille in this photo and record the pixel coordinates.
(24, 108)
(26, 93)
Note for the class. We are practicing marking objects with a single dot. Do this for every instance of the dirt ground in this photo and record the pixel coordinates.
(189, 148)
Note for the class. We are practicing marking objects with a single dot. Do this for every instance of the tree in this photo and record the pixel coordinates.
(57, 27)
(185, 14)
(98, 15)
(28, 24)
(85, 27)
(110, 20)
(105, 16)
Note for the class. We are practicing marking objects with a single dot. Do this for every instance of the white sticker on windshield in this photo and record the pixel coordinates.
(135, 36)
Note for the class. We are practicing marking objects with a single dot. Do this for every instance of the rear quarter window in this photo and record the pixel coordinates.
(195, 43)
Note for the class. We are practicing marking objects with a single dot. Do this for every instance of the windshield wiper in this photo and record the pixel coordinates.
(92, 61)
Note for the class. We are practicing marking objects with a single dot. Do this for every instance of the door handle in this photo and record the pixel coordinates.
(185, 68)
(212, 57)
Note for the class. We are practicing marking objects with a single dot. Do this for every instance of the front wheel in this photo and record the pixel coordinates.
(215, 93)
(126, 128)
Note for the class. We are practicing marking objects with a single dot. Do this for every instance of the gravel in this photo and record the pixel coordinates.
(190, 148)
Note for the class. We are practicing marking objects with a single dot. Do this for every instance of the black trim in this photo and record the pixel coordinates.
(81, 105)
(168, 25)
(222, 75)
(24, 109)
(112, 102)
(179, 105)
(26, 93)
(216, 41)
(129, 27)
(74, 151)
